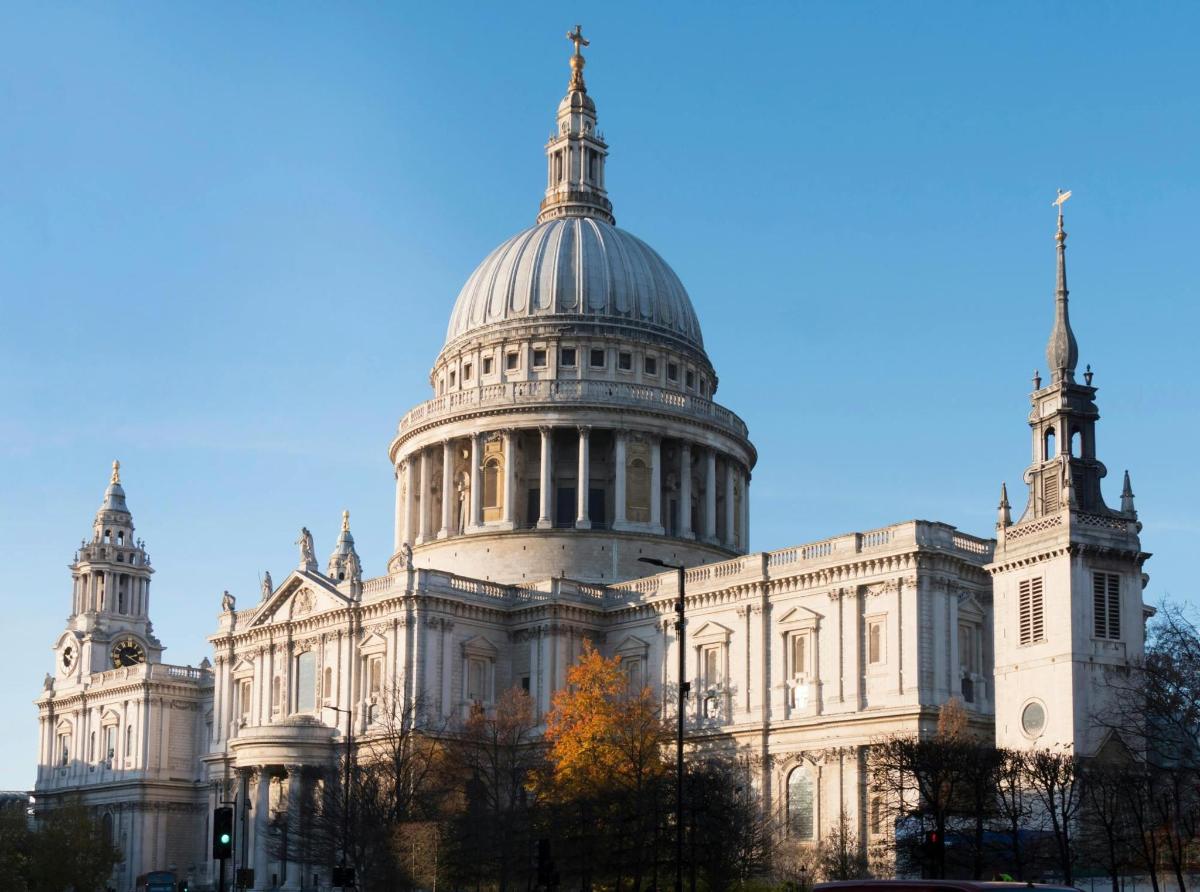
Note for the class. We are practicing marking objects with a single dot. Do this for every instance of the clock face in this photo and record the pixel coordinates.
(68, 657)
(127, 652)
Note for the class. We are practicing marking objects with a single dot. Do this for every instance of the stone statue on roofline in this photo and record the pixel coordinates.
(308, 559)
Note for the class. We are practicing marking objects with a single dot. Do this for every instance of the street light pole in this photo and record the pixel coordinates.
(680, 635)
(346, 785)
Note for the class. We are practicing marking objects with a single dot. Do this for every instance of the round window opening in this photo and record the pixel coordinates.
(1033, 718)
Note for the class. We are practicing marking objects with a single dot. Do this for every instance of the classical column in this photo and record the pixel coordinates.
(399, 531)
(620, 442)
(262, 803)
(545, 521)
(447, 487)
(745, 509)
(423, 508)
(510, 478)
(295, 796)
(656, 484)
(582, 519)
(685, 491)
(730, 538)
(410, 484)
(710, 496)
(476, 481)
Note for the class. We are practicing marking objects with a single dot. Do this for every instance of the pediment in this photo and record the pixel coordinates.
(479, 646)
(301, 594)
(373, 643)
(110, 717)
(712, 631)
(970, 608)
(799, 616)
(631, 645)
(243, 666)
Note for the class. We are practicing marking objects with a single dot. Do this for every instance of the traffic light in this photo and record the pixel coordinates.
(222, 833)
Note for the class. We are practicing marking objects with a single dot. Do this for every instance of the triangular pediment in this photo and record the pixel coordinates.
(712, 631)
(301, 594)
(480, 647)
(630, 645)
(970, 608)
(799, 616)
(243, 665)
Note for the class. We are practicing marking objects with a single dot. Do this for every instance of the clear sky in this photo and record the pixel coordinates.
(231, 236)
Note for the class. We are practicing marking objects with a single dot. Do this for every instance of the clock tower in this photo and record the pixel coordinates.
(109, 625)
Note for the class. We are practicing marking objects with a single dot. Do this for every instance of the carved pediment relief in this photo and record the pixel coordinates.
(303, 593)
(373, 643)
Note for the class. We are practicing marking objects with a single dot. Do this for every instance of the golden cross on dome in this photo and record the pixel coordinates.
(576, 37)
(1062, 199)
(116, 474)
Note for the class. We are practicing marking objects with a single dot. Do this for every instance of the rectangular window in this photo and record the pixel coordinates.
(539, 359)
(64, 748)
(1106, 605)
(452, 379)
(476, 681)
(487, 365)
(691, 379)
(466, 373)
(875, 652)
(650, 365)
(525, 683)
(244, 694)
(800, 654)
(633, 672)
(306, 681)
(375, 676)
(566, 357)
(1030, 621)
(711, 657)
(672, 371)
(625, 361)
(597, 359)
(511, 360)
(110, 744)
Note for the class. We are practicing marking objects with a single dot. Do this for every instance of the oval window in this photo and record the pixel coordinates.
(1033, 718)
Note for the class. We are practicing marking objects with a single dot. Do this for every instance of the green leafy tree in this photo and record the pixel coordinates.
(68, 850)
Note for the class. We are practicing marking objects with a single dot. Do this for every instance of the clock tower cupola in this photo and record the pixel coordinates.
(109, 625)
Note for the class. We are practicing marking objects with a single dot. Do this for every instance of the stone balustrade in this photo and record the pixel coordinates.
(531, 394)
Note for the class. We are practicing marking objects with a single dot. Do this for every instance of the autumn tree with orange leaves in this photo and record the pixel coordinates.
(606, 777)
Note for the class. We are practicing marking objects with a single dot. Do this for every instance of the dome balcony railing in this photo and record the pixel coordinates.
(603, 393)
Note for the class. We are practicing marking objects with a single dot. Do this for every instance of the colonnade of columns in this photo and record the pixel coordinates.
(706, 488)
(272, 844)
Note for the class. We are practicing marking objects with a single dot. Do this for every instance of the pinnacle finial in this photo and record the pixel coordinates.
(345, 521)
(1127, 497)
(577, 61)
(1005, 511)
(116, 472)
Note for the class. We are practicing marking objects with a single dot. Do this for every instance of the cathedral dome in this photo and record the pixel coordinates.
(576, 268)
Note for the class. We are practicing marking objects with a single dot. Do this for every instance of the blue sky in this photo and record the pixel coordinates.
(231, 236)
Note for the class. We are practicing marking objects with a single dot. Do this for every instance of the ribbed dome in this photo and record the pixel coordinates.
(572, 268)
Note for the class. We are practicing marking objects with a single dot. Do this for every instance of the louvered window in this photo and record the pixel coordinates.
(1050, 491)
(1031, 623)
(1106, 605)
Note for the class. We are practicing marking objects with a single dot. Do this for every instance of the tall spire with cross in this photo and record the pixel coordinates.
(576, 153)
(1062, 353)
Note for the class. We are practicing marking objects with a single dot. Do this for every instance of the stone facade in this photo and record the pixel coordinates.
(572, 431)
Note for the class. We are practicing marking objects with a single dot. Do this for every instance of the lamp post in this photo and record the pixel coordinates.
(680, 634)
(346, 785)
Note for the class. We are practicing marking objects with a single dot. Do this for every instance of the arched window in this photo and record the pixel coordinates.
(276, 689)
(128, 741)
(800, 803)
(491, 483)
(306, 680)
(1048, 445)
(1075, 441)
(92, 747)
(107, 825)
(327, 687)
(120, 537)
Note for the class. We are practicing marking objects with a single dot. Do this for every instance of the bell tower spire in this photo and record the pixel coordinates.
(1067, 576)
(576, 153)
(1062, 353)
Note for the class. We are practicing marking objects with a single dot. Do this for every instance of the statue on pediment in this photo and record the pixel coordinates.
(228, 602)
(268, 585)
(307, 555)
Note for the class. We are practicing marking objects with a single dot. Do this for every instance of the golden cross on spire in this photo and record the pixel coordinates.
(576, 37)
(116, 474)
(1061, 200)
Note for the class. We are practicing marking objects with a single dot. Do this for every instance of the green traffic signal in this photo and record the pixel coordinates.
(225, 838)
